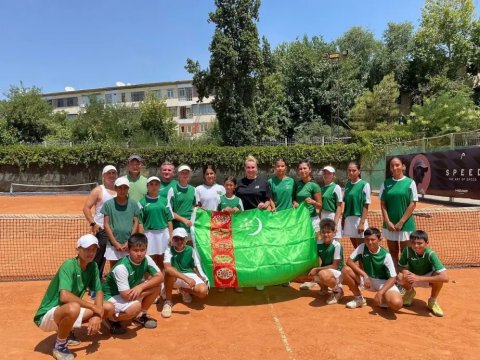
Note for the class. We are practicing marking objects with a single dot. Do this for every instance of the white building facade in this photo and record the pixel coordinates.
(193, 118)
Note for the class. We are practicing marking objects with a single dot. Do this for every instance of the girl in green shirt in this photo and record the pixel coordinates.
(332, 200)
(281, 187)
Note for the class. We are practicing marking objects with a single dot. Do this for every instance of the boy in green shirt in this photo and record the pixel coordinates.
(182, 271)
(377, 273)
(63, 308)
(421, 268)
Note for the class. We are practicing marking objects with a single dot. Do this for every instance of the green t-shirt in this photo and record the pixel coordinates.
(165, 187)
(121, 218)
(181, 200)
(355, 197)
(330, 252)
(307, 190)
(72, 278)
(377, 265)
(331, 196)
(154, 213)
(233, 202)
(182, 261)
(126, 275)
(420, 264)
(138, 187)
(282, 192)
(397, 195)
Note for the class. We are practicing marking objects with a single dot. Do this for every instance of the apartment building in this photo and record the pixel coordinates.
(192, 118)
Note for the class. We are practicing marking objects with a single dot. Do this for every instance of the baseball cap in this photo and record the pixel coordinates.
(108, 168)
(122, 181)
(153, 178)
(180, 232)
(184, 167)
(135, 157)
(86, 241)
(329, 169)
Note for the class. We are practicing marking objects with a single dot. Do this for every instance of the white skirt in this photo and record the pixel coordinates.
(396, 235)
(157, 241)
(351, 226)
(331, 215)
(112, 254)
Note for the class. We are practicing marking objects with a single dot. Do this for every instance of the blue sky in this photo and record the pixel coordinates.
(94, 43)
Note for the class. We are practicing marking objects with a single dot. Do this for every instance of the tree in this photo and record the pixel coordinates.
(235, 64)
(156, 119)
(377, 107)
(26, 113)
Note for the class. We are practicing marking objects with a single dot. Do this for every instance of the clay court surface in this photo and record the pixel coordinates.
(278, 323)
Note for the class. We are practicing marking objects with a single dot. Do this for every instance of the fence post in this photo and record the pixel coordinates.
(286, 141)
(323, 140)
(452, 146)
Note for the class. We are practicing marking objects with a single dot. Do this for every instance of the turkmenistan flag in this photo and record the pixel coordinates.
(255, 247)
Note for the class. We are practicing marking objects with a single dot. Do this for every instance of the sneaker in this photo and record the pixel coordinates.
(260, 287)
(115, 327)
(307, 285)
(238, 290)
(186, 297)
(356, 302)
(323, 291)
(146, 321)
(167, 309)
(72, 340)
(287, 284)
(435, 308)
(401, 289)
(62, 353)
(335, 297)
(408, 297)
(383, 306)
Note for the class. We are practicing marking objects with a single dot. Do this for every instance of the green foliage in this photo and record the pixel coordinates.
(446, 112)
(235, 63)
(377, 107)
(156, 119)
(8, 135)
(229, 158)
(366, 137)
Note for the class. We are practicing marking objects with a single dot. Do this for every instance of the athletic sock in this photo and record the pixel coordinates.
(60, 343)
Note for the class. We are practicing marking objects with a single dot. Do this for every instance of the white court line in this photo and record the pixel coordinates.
(283, 335)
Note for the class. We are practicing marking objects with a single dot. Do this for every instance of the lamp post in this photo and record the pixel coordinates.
(336, 58)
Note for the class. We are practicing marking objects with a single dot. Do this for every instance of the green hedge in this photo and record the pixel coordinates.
(229, 158)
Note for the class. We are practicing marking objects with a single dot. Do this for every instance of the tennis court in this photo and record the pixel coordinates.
(280, 323)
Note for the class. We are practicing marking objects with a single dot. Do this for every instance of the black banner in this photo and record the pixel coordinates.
(454, 173)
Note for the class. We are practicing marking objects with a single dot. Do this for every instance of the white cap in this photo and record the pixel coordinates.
(153, 178)
(179, 232)
(184, 167)
(122, 181)
(108, 168)
(329, 169)
(86, 241)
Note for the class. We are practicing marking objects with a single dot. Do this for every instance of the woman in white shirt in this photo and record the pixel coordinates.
(208, 194)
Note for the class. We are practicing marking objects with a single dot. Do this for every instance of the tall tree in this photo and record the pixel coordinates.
(156, 119)
(235, 64)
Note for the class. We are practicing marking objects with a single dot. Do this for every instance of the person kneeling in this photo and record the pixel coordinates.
(377, 273)
(63, 308)
(182, 272)
(132, 285)
(422, 268)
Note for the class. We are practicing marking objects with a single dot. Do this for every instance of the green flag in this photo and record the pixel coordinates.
(255, 247)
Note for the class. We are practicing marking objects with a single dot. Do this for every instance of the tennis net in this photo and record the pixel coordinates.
(34, 246)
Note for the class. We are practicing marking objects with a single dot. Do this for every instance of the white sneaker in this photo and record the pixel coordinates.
(356, 302)
(167, 309)
(335, 297)
(186, 297)
(307, 285)
(260, 287)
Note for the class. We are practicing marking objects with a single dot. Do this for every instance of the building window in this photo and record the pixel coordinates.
(203, 109)
(108, 98)
(173, 110)
(185, 94)
(157, 93)
(183, 112)
(138, 96)
(60, 103)
(170, 93)
(124, 97)
(203, 127)
(189, 129)
(182, 129)
(50, 102)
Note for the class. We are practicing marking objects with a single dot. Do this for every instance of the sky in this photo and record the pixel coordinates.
(88, 44)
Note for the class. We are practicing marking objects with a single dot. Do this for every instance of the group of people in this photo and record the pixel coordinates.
(142, 227)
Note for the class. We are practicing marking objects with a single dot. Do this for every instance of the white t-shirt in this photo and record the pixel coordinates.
(208, 197)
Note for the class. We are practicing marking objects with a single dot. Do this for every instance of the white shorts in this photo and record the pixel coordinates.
(121, 305)
(351, 226)
(316, 223)
(48, 323)
(157, 241)
(331, 215)
(423, 284)
(336, 273)
(179, 283)
(112, 254)
(396, 235)
(377, 284)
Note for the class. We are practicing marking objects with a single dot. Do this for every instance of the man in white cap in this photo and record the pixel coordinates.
(138, 182)
(120, 221)
(97, 198)
(63, 308)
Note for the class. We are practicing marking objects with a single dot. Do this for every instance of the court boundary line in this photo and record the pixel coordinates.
(278, 325)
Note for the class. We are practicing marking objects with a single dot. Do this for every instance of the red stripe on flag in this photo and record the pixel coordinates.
(223, 257)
